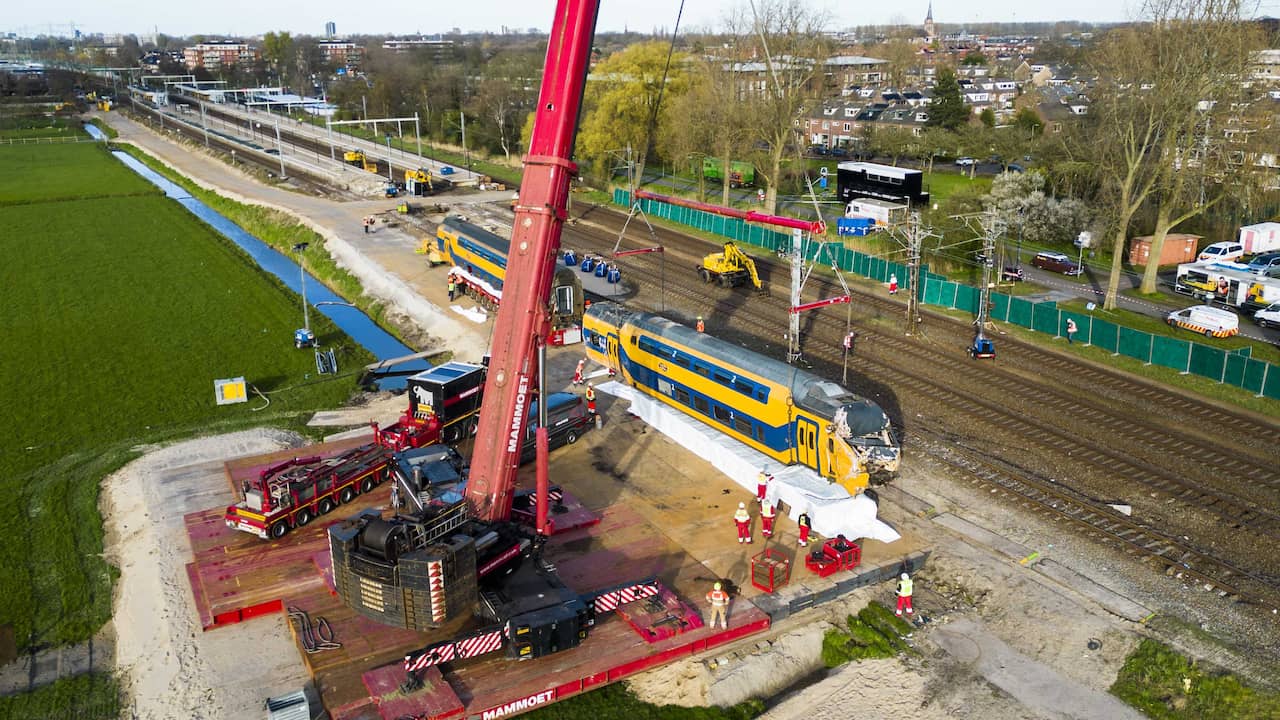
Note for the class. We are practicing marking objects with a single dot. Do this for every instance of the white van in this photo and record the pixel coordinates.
(1206, 320)
(1220, 251)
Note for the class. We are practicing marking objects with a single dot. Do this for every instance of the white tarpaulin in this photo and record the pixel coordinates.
(830, 507)
(475, 315)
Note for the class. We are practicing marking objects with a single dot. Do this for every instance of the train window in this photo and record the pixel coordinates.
(701, 404)
(684, 361)
(759, 433)
(682, 395)
(722, 378)
(722, 414)
(762, 394)
(742, 425)
(703, 370)
(812, 435)
(743, 386)
(633, 339)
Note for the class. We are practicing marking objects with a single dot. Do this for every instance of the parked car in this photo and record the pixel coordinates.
(1015, 167)
(839, 152)
(567, 420)
(1221, 251)
(1056, 262)
(1265, 263)
(1268, 316)
(1011, 273)
(965, 161)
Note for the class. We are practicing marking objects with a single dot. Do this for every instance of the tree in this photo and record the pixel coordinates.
(1197, 170)
(788, 39)
(988, 117)
(623, 101)
(974, 57)
(1019, 200)
(1027, 121)
(277, 50)
(947, 109)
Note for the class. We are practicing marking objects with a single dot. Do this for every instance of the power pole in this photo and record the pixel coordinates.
(914, 238)
(797, 282)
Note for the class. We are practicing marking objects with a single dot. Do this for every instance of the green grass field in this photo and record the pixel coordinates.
(47, 173)
(120, 312)
(1165, 685)
(40, 127)
(942, 185)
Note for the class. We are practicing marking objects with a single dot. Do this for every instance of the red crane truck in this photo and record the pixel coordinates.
(424, 571)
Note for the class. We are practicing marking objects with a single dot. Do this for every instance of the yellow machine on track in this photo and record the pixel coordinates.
(729, 268)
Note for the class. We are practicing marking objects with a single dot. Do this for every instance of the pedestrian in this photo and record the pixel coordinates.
(743, 519)
(453, 287)
(893, 284)
(904, 594)
(577, 373)
(1224, 287)
(762, 485)
(719, 600)
(395, 496)
(767, 515)
(591, 400)
(804, 523)
(1071, 331)
(760, 194)
(700, 326)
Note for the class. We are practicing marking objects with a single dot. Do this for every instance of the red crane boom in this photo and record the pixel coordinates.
(524, 320)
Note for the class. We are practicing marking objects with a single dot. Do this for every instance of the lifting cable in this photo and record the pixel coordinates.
(314, 638)
(649, 143)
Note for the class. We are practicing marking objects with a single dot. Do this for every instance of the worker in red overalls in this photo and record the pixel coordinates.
(591, 399)
(762, 485)
(804, 523)
(577, 373)
(767, 515)
(893, 284)
(904, 594)
(700, 326)
(719, 600)
(743, 519)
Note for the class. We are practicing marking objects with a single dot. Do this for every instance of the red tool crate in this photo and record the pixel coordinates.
(835, 554)
(770, 570)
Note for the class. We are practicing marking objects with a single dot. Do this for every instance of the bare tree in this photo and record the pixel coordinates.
(790, 49)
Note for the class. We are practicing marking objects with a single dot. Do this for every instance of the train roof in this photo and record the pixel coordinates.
(479, 234)
(810, 391)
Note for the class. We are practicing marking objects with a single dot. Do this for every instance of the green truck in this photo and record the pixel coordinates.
(741, 174)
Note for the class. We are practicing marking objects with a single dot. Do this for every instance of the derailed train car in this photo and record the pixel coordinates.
(793, 416)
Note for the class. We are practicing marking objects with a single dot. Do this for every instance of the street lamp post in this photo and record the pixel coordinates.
(390, 178)
(303, 337)
(280, 151)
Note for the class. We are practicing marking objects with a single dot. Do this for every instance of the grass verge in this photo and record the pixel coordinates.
(281, 232)
(83, 697)
(875, 632)
(1165, 685)
(616, 702)
(45, 173)
(121, 312)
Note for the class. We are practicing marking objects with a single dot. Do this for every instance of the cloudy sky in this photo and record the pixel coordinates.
(245, 17)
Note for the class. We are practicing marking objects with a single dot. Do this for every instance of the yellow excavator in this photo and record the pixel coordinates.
(729, 268)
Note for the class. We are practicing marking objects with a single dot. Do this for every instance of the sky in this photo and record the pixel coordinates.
(246, 17)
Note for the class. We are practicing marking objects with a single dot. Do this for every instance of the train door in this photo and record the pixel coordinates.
(807, 443)
(613, 353)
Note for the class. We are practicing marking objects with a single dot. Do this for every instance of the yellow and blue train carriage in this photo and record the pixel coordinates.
(477, 252)
(793, 416)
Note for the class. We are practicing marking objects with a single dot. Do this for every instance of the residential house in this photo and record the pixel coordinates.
(216, 54)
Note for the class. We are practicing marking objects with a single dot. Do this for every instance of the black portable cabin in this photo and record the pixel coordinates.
(870, 180)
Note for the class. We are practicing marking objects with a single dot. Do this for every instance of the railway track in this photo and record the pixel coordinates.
(1039, 434)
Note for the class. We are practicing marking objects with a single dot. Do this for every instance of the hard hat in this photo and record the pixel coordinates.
(742, 506)
(699, 317)
(718, 586)
(904, 576)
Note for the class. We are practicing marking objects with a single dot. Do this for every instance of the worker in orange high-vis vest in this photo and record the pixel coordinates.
(700, 325)
(591, 399)
(904, 594)
(719, 600)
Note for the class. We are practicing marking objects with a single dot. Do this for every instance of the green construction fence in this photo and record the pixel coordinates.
(1230, 367)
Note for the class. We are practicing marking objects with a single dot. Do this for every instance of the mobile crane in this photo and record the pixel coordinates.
(426, 570)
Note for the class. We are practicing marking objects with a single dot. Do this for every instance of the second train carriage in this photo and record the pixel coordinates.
(793, 416)
(480, 255)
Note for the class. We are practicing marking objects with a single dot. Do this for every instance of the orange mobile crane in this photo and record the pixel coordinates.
(448, 559)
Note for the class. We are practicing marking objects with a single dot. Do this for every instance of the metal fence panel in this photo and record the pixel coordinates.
(1233, 369)
(1135, 344)
(1271, 382)
(932, 292)
(1255, 374)
(967, 298)
(1208, 361)
(1105, 335)
(1020, 311)
(1171, 353)
(999, 307)
(1044, 318)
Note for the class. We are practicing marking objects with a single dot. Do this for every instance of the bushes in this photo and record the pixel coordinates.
(1167, 686)
(874, 632)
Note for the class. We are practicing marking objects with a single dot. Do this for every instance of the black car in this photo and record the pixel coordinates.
(567, 420)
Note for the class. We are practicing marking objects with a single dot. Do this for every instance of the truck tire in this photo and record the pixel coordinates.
(705, 274)
(303, 517)
(452, 434)
(366, 485)
(571, 438)
(326, 506)
(347, 495)
(1208, 333)
(279, 530)
(473, 425)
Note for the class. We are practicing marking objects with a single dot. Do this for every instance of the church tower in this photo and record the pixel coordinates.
(928, 24)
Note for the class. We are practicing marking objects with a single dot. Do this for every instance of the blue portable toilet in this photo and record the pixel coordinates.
(570, 259)
(588, 264)
(615, 275)
(601, 269)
